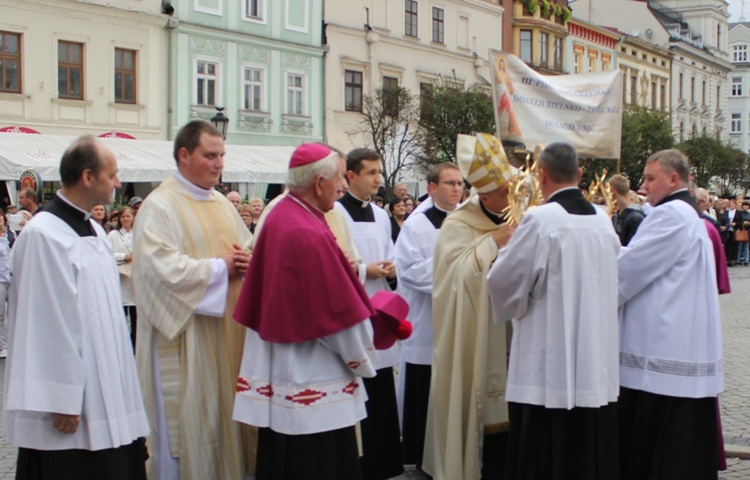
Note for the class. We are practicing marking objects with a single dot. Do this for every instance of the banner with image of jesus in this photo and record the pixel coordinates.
(584, 110)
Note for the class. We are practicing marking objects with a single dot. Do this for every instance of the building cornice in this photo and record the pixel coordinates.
(65, 7)
(243, 37)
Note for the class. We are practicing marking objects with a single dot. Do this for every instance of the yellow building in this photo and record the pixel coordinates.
(536, 32)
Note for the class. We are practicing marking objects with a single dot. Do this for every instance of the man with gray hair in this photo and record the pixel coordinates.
(670, 328)
(557, 276)
(234, 198)
(308, 341)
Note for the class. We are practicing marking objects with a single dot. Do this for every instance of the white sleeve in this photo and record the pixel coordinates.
(354, 346)
(511, 279)
(214, 301)
(45, 371)
(413, 268)
(651, 253)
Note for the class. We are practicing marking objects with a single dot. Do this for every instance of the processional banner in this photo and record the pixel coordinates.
(584, 110)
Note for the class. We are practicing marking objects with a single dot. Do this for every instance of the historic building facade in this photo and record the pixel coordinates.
(413, 44)
(100, 70)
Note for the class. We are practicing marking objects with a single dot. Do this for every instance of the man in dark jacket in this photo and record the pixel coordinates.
(629, 214)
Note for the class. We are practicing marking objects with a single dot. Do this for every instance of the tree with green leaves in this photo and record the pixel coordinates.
(448, 111)
(644, 132)
(389, 124)
(709, 158)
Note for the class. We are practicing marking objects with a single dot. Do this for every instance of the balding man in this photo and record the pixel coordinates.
(72, 400)
(670, 334)
(234, 198)
(399, 191)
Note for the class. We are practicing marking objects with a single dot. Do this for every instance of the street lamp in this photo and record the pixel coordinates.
(220, 121)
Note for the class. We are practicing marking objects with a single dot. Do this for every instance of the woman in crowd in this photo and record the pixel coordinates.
(99, 214)
(256, 208)
(409, 204)
(122, 244)
(246, 213)
(6, 241)
(397, 208)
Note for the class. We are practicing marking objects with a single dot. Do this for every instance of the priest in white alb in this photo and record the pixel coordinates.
(72, 401)
(467, 418)
(187, 274)
(671, 365)
(557, 277)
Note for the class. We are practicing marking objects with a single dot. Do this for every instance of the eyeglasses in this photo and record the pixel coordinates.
(454, 184)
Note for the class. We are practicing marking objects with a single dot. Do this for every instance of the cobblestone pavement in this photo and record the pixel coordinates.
(735, 401)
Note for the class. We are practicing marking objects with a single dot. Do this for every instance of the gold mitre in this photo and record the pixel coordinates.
(483, 162)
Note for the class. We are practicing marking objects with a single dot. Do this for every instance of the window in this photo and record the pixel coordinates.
(578, 58)
(704, 93)
(353, 91)
(663, 96)
(592, 63)
(634, 89)
(124, 75)
(605, 62)
(10, 62)
(410, 18)
(543, 48)
(682, 131)
(438, 25)
(692, 89)
(254, 9)
(736, 86)
(740, 53)
(680, 87)
(526, 46)
(390, 96)
(70, 70)
(653, 95)
(295, 94)
(253, 89)
(558, 53)
(206, 76)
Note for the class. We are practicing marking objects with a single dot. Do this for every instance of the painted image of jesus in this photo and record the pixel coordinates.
(504, 87)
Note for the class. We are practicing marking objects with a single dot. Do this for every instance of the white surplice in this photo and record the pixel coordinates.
(670, 321)
(415, 249)
(558, 277)
(374, 243)
(70, 348)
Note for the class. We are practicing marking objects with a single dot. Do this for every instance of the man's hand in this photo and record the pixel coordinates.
(379, 270)
(502, 234)
(128, 258)
(66, 423)
(237, 261)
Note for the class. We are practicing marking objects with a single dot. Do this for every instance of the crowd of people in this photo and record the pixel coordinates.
(269, 342)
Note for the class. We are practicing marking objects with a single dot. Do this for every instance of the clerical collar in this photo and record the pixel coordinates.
(435, 205)
(562, 190)
(572, 200)
(76, 218)
(196, 192)
(436, 215)
(681, 194)
(86, 215)
(357, 209)
(365, 203)
(496, 218)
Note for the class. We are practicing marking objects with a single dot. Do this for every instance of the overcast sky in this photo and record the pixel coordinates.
(735, 7)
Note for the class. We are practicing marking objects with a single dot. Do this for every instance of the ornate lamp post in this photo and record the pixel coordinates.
(220, 121)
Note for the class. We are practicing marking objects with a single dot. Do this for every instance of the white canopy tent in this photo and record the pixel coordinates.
(139, 161)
